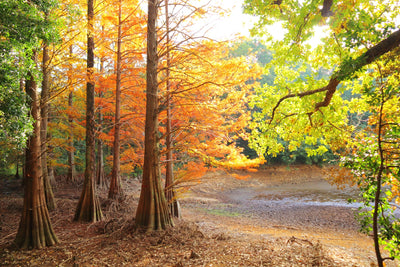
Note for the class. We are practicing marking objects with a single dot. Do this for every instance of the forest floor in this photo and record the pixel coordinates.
(225, 222)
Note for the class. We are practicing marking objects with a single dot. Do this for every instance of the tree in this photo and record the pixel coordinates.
(361, 34)
(44, 116)
(152, 211)
(115, 183)
(170, 194)
(198, 86)
(121, 87)
(88, 208)
(374, 162)
(18, 38)
(210, 93)
(35, 230)
(100, 175)
(22, 29)
(68, 62)
(71, 157)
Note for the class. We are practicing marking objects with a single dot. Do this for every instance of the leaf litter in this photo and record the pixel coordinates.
(199, 239)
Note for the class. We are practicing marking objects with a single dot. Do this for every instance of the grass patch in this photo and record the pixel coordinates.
(222, 212)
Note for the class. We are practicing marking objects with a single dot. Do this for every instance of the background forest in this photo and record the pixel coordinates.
(99, 91)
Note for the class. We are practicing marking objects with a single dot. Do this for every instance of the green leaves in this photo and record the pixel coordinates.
(23, 25)
(352, 110)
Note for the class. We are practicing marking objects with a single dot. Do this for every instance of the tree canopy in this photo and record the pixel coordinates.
(361, 39)
(22, 28)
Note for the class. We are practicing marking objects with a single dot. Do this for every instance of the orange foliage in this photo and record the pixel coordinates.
(209, 95)
(340, 176)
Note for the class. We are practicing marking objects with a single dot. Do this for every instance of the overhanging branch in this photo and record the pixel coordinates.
(311, 92)
(346, 70)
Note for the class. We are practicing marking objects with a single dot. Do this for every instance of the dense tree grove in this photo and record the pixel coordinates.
(49, 105)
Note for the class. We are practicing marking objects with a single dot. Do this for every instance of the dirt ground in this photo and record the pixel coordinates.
(214, 229)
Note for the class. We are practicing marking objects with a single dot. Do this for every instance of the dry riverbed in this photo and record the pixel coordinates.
(283, 203)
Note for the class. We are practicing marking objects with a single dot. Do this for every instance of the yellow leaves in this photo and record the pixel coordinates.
(293, 145)
(200, 12)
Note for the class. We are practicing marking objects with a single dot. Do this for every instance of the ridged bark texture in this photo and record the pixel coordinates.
(44, 113)
(88, 206)
(115, 184)
(35, 229)
(173, 204)
(152, 212)
(71, 174)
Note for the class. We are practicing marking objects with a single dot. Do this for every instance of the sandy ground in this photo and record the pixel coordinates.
(269, 204)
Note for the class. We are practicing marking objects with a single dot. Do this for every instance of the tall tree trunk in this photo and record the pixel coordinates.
(71, 157)
(173, 204)
(35, 229)
(23, 156)
(152, 211)
(17, 168)
(115, 183)
(44, 113)
(88, 208)
(377, 200)
(100, 177)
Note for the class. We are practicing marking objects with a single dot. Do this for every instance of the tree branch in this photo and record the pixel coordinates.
(306, 93)
(346, 69)
(326, 8)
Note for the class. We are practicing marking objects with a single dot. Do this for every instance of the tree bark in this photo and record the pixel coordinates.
(88, 208)
(44, 112)
(115, 184)
(35, 229)
(152, 211)
(71, 157)
(173, 204)
(326, 8)
(100, 177)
